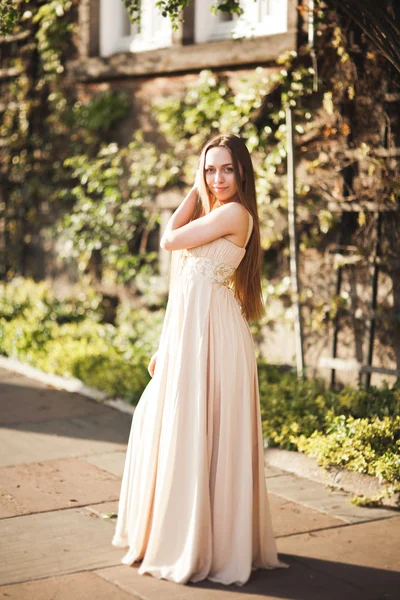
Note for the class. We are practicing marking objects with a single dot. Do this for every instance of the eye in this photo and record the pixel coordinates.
(229, 169)
(209, 170)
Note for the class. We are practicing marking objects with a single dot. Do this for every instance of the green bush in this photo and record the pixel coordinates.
(66, 337)
(351, 428)
(379, 402)
(365, 445)
(290, 407)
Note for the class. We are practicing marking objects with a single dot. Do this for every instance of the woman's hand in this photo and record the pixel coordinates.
(152, 364)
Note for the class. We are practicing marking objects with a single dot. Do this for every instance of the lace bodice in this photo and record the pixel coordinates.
(210, 268)
(216, 260)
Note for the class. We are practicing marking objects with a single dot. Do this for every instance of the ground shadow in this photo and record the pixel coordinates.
(42, 409)
(315, 579)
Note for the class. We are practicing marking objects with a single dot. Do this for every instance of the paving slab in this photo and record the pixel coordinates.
(54, 543)
(113, 462)
(9, 376)
(320, 497)
(52, 485)
(271, 471)
(306, 466)
(105, 431)
(104, 508)
(78, 586)
(289, 518)
(30, 400)
(366, 555)
(296, 583)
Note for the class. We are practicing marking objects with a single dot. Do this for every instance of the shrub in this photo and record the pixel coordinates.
(365, 445)
(351, 428)
(290, 407)
(65, 337)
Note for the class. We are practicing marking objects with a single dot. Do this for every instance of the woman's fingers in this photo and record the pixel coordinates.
(152, 364)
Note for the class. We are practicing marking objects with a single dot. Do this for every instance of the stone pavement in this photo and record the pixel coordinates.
(61, 461)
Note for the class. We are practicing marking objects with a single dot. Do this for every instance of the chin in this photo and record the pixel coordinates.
(225, 197)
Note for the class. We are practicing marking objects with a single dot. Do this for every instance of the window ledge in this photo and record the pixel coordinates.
(175, 59)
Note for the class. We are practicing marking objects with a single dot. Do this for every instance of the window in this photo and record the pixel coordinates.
(118, 34)
(260, 17)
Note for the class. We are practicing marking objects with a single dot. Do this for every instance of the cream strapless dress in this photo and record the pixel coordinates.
(193, 502)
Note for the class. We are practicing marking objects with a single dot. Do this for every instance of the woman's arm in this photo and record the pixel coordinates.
(230, 218)
(182, 214)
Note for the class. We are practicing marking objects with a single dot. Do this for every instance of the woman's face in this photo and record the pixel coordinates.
(219, 174)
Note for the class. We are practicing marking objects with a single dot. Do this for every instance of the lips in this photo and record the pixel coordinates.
(220, 189)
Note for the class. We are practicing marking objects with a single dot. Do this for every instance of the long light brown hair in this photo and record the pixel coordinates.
(246, 281)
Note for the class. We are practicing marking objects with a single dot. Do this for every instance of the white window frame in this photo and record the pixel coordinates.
(155, 30)
(260, 17)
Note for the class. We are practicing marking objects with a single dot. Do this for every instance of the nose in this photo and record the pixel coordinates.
(219, 177)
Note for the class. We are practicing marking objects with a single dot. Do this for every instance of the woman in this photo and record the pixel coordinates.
(193, 502)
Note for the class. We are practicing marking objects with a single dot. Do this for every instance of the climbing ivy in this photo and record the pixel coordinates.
(114, 211)
(9, 15)
(173, 9)
(47, 132)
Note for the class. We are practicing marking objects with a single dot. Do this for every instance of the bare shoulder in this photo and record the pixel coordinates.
(235, 218)
(236, 211)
